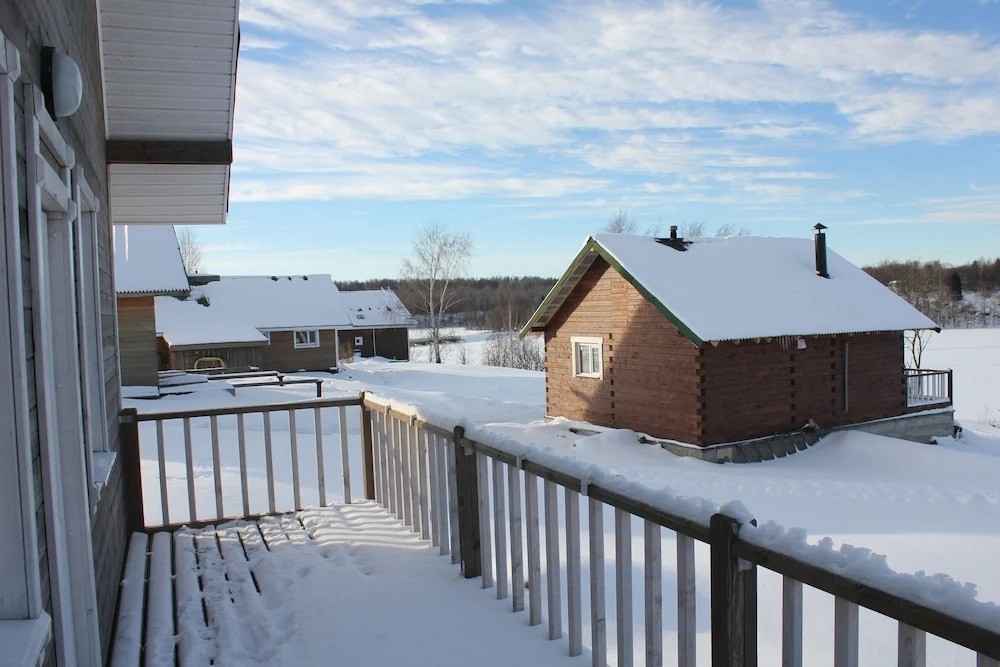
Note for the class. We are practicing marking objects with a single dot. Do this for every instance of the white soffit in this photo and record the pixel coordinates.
(169, 77)
(175, 194)
(169, 68)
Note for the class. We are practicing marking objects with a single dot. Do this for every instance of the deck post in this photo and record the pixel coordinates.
(131, 473)
(367, 450)
(467, 483)
(733, 598)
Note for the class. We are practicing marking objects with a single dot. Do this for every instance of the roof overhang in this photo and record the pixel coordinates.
(169, 85)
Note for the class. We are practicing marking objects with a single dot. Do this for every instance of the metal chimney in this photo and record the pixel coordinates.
(673, 231)
(820, 239)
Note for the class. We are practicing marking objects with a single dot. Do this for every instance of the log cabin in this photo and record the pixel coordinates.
(723, 340)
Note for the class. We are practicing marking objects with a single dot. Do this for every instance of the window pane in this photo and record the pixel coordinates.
(595, 365)
(583, 356)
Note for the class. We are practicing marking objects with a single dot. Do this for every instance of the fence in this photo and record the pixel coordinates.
(482, 505)
(486, 508)
(927, 387)
(267, 452)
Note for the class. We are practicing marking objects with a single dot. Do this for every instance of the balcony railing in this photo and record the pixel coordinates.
(487, 507)
(928, 387)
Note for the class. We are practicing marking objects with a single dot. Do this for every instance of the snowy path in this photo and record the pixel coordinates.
(346, 584)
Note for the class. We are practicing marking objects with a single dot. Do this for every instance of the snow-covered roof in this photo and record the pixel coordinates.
(743, 287)
(375, 309)
(278, 302)
(148, 260)
(188, 322)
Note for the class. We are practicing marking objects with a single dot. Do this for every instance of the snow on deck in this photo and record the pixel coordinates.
(346, 584)
(751, 287)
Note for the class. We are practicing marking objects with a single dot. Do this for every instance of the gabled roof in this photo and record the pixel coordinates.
(148, 261)
(378, 308)
(169, 71)
(279, 302)
(189, 323)
(741, 287)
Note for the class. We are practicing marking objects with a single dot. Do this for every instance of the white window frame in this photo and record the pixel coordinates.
(312, 338)
(18, 526)
(52, 212)
(576, 342)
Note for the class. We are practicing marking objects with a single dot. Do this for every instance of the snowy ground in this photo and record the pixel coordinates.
(925, 507)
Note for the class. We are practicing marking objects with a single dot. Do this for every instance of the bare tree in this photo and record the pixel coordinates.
(731, 229)
(439, 256)
(619, 223)
(190, 248)
(916, 343)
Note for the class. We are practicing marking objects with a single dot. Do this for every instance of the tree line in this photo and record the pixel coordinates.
(498, 303)
(966, 295)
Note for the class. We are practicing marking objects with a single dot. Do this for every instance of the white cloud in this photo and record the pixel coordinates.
(682, 88)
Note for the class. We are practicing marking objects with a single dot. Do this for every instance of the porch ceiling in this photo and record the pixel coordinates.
(169, 86)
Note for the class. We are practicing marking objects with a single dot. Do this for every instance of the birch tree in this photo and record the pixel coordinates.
(190, 248)
(439, 256)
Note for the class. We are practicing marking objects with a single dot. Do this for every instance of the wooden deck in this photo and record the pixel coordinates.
(199, 596)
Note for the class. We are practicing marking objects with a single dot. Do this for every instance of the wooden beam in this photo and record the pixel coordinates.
(144, 151)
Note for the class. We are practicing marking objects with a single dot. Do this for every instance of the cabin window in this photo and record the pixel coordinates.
(587, 357)
(307, 338)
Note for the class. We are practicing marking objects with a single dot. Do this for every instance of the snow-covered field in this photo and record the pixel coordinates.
(926, 508)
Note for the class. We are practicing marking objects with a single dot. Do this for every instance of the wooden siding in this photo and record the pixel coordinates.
(753, 389)
(137, 340)
(235, 357)
(650, 381)
(71, 27)
(282, 355)
(393, 343)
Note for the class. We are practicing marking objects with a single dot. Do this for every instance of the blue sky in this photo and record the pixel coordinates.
(530, 124)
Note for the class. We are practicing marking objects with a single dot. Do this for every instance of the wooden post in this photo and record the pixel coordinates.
(733, 599)
(467, 485)
(131, 473)
(367, 450)
(319, 389)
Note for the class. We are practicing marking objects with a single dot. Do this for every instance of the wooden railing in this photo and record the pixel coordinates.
(167, 430)
(927, 387)
(481, 504)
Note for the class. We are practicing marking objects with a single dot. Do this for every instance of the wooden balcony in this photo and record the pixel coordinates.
(929, 388)
(504, 519)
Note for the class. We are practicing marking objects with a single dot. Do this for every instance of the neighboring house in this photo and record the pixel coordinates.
(191, 331)
(379, 325)
(147, 263)
(722, 340)
(63, 183)
(299, 317)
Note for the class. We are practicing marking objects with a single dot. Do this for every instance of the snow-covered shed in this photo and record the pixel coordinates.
(147, 263)
(379, 325)
(297, 319)
(721, 340)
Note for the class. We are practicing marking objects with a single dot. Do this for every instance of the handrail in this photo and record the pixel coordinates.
(247, 409)
(905, 610)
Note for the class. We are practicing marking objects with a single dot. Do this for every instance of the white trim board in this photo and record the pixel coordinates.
(51, 215)
(20, 596)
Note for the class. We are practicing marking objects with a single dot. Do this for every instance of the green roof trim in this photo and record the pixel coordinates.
(589, 246)
(593, 246)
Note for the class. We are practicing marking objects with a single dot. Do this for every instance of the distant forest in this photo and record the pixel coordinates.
(961, 296)
(501, 303)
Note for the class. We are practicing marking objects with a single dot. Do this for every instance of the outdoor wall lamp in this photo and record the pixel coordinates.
(62, 85)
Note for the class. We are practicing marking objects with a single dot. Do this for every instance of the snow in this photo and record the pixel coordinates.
(919, 520)
(148, 260)
(278, 302)
(375, 308)
(751, 287)
(190, 323)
